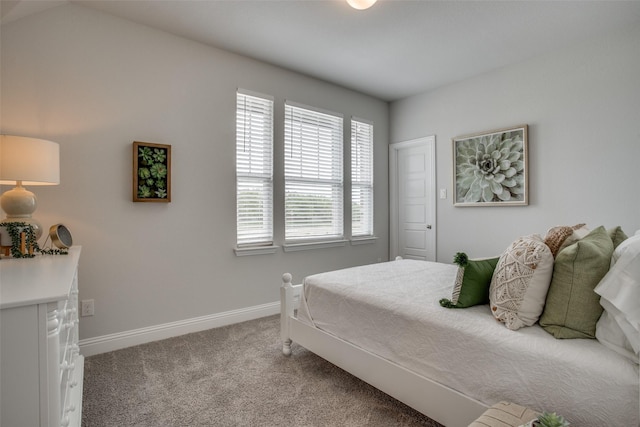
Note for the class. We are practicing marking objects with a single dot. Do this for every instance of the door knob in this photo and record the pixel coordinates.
(429, 227)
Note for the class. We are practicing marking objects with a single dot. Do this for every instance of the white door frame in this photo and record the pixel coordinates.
(394, 232)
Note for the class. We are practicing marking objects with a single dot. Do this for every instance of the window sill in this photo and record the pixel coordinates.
(292, 247)
(363, 240)
(256, 250)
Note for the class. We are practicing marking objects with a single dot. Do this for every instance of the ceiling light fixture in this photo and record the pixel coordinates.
(361, 4)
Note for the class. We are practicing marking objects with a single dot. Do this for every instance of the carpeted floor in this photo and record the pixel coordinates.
(231, 376)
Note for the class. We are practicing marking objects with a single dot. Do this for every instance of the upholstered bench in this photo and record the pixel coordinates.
(505, 414)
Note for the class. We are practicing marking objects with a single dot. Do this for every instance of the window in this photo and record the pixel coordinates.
(254, 170)
(313, 174)
(361, 178)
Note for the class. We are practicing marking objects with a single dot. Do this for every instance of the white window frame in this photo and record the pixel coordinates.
(254, 168)
(362, 178)
(314, 157)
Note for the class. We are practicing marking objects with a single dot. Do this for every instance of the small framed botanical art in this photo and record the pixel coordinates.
(490, 168)
(151, 172)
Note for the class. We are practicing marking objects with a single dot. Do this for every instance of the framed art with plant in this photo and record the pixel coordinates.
(151, 172)
(490, 168)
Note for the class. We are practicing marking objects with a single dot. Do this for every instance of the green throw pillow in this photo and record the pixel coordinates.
(617, 236)
(472, 282)
(572, 308)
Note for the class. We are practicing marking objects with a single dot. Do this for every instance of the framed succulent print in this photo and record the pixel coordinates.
(151, 172)
(490, 168)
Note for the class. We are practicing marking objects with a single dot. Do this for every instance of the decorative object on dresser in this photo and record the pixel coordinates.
(60, 236)
(17, 239)
(40, 361)
(26, 161)
(151, 172)
(490, 168)
(23, 241)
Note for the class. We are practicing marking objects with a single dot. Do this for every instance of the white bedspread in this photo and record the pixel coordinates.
(391, 309)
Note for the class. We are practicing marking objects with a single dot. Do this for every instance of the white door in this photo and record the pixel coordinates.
(412, 173)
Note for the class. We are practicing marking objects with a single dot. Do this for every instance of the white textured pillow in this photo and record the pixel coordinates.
(520, 282)
(619, 325)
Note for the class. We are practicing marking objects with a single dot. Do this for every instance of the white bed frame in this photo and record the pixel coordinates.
(435, 400)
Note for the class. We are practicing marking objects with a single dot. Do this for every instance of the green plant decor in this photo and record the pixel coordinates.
(461, 259)
(152, 172)
(551, 419)
(14, 229)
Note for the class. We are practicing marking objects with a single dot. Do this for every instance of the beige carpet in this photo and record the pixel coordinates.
(231, 376)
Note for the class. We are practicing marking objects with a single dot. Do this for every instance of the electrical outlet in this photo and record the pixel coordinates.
(87, 308)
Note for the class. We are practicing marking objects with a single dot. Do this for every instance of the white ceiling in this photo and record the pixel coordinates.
(393, 50)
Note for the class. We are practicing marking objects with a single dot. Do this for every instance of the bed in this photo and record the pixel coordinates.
(383, 323)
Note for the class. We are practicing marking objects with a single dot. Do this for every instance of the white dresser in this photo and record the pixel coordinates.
(41, 367)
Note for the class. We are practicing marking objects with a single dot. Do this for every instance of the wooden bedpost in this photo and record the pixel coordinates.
(286, 310)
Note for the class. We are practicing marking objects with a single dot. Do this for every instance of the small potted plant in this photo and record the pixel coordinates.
(548, 419)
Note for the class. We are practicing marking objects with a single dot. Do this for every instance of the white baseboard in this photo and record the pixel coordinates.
(106, 343)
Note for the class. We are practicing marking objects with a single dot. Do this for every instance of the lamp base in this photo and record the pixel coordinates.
(19, 203)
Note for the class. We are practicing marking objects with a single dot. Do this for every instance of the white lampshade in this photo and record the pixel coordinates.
(26, 161)
(361, 4)
(30, 160)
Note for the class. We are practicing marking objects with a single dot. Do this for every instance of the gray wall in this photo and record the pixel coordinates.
(583, 110)
(95, 84)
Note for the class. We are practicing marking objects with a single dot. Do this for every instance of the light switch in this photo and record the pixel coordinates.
(443, 193)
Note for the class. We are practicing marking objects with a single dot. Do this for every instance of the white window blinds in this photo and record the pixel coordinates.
(361, 178)
(254, 170)
(313, 174)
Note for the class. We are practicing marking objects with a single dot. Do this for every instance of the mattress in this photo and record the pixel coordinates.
(391, 309)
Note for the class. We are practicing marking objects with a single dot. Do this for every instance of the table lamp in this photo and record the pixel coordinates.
(26, 161)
